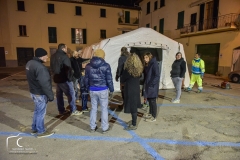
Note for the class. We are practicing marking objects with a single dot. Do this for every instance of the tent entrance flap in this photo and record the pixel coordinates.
(156, 52)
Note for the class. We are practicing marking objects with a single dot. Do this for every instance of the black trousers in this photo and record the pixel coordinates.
(153, 106)
(134, 119)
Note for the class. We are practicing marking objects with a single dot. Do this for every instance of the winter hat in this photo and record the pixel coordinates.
(99, 53)
(40, 52)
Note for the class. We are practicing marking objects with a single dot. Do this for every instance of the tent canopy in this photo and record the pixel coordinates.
(141, 38)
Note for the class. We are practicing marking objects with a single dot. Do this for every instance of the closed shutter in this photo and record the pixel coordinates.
(127, 17)
(161, 25)
(84, 31)
(52, 34)
(73, 35)
(180, 20)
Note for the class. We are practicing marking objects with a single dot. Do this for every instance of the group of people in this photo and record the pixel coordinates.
(98, 83)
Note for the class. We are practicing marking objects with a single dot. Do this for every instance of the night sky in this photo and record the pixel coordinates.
(117, 2)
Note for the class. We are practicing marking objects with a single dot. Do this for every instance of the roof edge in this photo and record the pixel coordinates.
(97, 4)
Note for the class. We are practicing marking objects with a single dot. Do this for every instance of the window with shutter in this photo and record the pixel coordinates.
(52, 34)
(180, 23)
(50, 8)
(161, 25)
(20, 5)
(78, 10)
(127, 17)
(102, 12)
(148, 7)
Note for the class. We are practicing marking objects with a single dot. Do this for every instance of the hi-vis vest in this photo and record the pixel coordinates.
(198, 66)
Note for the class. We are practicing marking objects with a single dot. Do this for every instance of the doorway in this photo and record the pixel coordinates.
(2, 57)
(210, 55)
(24, 55)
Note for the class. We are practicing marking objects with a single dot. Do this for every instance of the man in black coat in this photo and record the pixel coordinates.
(76, 63)
(122, 59)
(40, 87)
(63, 77)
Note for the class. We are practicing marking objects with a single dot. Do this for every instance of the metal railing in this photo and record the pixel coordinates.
(212, 23)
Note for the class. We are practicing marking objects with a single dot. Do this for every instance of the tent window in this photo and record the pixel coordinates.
(161, 25)
(148, 7)
(180, 23)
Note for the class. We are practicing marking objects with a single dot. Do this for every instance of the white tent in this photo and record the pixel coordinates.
(142, 38)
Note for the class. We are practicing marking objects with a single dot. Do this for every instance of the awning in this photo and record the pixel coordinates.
(198, 2)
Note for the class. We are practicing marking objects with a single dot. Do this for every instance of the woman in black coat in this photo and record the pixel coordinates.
(132, 71)
(151, 85)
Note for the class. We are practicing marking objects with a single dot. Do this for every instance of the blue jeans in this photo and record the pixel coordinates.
(100, 97)
(84, 100)
(40, 102)
(68, 89)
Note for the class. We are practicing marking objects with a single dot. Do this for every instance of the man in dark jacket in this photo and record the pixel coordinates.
(40, 87)
(63, 76)
(122, 59)
(76, 63)
(98, 79)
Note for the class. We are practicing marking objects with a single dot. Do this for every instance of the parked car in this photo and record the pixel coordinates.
(234, 76)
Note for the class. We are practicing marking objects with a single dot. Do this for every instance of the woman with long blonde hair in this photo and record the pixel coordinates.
(132, 72)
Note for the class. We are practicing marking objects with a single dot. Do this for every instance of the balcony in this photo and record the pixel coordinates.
(220, 24)
(131, 22)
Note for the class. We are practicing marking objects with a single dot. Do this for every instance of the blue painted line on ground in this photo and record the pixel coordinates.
(197, 106)
(223, 94)
(136, 138)
(193, 143)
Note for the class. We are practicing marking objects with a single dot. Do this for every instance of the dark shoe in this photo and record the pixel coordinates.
(66, 112)
(131, 127)
(33, 132)
(94, 130)
(45, 134)
(106, 130)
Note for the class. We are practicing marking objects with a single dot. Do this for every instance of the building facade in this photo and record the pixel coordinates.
(209, 27)
(26, 25)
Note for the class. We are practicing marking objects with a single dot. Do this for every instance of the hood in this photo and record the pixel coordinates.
(97, 62)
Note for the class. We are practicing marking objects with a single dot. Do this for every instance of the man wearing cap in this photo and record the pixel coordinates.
(40, 87)
(63, 77)
(98, 79)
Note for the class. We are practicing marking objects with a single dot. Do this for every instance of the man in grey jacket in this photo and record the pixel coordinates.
(40, 87)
